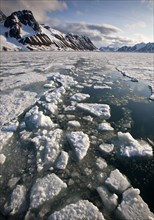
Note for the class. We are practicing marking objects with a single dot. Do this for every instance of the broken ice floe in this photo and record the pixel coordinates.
(79, 142)
(75, 124)
(107, 148)
(101, 163)
(79, 97)
(17, 200)
(110, 200)
(35, 119)
(62, 160)
(105, 126)
(102, 87)
(45, 189)
(2, 158)
(131, 147)
(48, 147)
(133, 207)
(80, 210)
(99, 110)
(117, 182)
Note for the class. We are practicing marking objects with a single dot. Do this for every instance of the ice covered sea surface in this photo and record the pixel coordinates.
(56, 162)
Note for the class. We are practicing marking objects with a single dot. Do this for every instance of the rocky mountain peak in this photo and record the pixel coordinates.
(2, 16)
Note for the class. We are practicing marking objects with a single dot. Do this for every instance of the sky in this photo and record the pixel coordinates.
(113, 23)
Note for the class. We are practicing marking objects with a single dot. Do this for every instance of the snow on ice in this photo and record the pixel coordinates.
(45, 189)
(80, 210)
(79, 142)
(117, 181)
(99, 110)
(131, 147)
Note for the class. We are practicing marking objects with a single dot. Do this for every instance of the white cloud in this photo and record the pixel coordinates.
(140, 24)
(140, 38)
(40, 8)
(148, 3)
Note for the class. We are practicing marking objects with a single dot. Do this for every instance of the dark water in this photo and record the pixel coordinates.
(130, 105)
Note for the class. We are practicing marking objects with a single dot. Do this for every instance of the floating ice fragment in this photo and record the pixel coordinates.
(131, 147)
(110, 201)
(45, 189)
(17, 200)
(88, 118)
(48, 147)
(99, 110)
(107, 148)
(105, 126)
(117, 182)
(101, 163)
(2, 158)
(73, 124)
(80, 210)
(79, 96)
(62, 160)
(102, 87)
(133, 207)
(36, 119)
(79, 142)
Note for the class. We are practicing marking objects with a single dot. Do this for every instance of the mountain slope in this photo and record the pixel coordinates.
(142, 47)
(21, 31)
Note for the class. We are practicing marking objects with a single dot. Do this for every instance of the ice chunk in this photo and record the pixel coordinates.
(88, 118)
(79, 96)
(51, 107)
(102, 87)
(2, 158)
(107, 148)
(133, 207)
(79, 142)
(70, 108)
(131, 147)
(54, 96)
(152, 97)
(11, 126)
(101, 163)
(117, 182)
(17, 200)
(36, 119)
(48, 146)
(45, 189)
(105, 126)
(73, 124)
(4, 137)
(80, 210)
(62, 160)
(110, 201)
(99, 110)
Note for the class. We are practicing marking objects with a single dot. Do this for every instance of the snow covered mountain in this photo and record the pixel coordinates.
(107, 49)
(141, 47)
(21, 31)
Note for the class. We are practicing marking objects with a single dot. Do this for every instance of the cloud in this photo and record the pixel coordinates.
(40, 8)
(81, 28)
(148, 3)
(140, 24)
(104, 34)
(141, 38)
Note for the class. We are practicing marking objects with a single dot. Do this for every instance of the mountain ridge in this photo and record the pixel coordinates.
(21, 31)
(140, 47)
